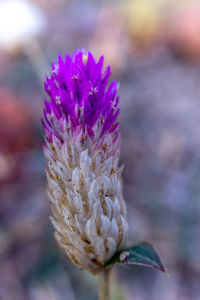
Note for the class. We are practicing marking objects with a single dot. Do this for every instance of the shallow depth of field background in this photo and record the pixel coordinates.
(153, 47)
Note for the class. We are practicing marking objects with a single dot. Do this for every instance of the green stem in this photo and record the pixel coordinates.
(103, 285)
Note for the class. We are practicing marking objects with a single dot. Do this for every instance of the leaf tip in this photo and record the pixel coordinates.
(164, 270)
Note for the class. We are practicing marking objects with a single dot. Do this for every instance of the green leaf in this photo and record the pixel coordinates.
(142, 254)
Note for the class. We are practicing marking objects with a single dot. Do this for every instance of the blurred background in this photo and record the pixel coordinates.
(153, 47)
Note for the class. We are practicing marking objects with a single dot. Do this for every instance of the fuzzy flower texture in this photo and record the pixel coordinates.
(82, 153)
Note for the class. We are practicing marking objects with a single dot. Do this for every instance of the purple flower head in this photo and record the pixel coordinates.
(82, 104)
(82, 154)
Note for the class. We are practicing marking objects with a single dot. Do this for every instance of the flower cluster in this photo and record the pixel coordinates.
(82, 153)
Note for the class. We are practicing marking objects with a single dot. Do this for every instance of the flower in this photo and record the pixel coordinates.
(82, 153)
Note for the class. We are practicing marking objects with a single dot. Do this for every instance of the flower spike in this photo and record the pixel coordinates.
(82, 154)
